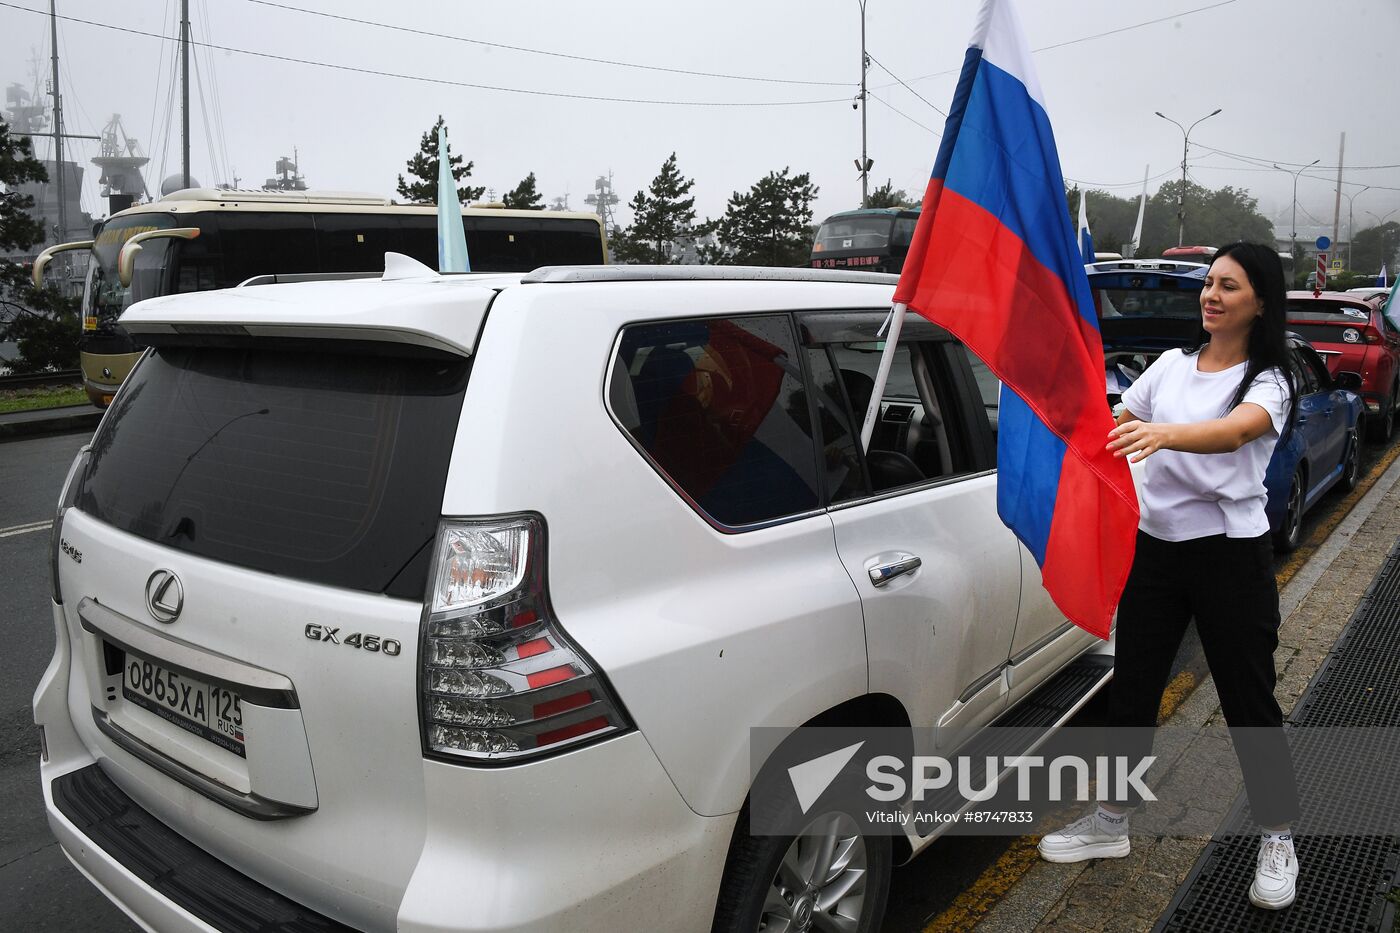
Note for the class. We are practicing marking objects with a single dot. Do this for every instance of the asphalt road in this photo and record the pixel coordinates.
(39, 889)
(40, 892)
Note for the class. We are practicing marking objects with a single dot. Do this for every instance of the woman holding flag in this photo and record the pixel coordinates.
(1209, 418)
(995, 262)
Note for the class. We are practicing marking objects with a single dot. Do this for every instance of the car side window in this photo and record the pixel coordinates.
(1310, 380)
(717, 405)
(840, 427)
(921, 433)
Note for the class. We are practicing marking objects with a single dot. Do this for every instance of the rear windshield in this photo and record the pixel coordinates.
(1329, 312)
(323, 466)
(1180, 302)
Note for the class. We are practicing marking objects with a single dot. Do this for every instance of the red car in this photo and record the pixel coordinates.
(1352, 334)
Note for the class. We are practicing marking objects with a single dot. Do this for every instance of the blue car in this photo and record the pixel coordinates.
(1148, 306)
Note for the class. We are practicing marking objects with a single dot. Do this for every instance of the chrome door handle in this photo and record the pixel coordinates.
(884, 573)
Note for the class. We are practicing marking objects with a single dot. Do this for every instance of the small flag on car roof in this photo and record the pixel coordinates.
(452, 238)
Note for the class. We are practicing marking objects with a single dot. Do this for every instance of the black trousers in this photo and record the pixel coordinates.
(1227, 585)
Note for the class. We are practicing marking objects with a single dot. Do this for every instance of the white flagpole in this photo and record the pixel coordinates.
(894, 323)
(1142, 206)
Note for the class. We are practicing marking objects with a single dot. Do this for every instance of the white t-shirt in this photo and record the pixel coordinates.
(1187, 496)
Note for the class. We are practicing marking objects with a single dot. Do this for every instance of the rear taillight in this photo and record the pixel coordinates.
(65, 502)
(500, 679)
(1371, 335)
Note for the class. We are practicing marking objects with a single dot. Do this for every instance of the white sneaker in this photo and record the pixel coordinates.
(1276, 878)
(1086, 838)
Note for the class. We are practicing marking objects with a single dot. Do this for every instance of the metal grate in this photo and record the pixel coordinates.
(1344, 879)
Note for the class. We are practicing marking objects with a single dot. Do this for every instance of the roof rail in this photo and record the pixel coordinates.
(284, 197)
(623, 273)
(276, 278)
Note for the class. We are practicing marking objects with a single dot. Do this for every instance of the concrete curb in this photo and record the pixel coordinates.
(21, 425)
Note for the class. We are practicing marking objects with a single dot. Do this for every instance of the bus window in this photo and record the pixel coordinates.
(255, 243)
(355, 242)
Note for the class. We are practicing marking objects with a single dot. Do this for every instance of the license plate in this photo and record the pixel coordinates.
(208, 710)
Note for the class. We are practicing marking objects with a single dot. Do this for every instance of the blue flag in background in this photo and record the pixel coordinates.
(452, 239)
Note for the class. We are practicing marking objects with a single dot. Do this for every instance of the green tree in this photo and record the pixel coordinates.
(769, 225)
(1214, 217)
(524, 197)
(424, 166)
(42, 322)
(1375, 247)
(887, 195)
(662, 215)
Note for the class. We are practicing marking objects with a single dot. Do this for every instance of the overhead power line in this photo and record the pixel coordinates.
(906, 87)
(520, 48)
(428, 80)
(906, 116)
(1321, 168)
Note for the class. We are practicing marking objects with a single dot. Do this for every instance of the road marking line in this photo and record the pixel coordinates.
(979, 897)
(25, 529)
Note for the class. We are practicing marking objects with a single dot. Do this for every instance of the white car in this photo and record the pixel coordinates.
(450, 602)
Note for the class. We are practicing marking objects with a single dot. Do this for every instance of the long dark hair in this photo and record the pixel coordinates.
(1268, 345)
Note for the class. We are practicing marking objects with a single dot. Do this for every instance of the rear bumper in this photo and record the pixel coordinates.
(598, 839)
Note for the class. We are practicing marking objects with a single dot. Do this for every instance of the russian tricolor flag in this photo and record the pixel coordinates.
(994, 260)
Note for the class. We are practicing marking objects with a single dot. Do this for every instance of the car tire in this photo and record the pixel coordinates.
(1290, 532)
(1351, 467)
(774, 883)
(1383, 425)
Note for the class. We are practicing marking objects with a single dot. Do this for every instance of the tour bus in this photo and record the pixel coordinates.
(873, 240)
(202, 238)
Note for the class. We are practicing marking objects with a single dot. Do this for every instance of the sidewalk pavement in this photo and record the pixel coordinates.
(16, 425)
(1128, 895)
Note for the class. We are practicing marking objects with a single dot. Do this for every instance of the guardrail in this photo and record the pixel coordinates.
(30, 381)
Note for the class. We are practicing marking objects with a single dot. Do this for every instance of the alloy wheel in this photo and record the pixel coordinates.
(821, 882)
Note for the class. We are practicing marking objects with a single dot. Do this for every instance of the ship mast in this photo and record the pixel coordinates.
(58, 128)
(184, 90)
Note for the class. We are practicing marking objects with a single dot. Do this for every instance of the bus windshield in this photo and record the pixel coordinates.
(104, 297)
(859, 231)
(875, 240)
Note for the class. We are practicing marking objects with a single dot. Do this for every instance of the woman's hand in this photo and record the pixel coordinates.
(1138, 440)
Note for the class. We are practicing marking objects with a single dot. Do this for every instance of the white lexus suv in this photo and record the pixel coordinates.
(433, 603)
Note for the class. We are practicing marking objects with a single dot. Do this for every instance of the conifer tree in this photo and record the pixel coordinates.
(525, 197)
(42, 322)
(662, 215)
(424, 167)
(769, 225)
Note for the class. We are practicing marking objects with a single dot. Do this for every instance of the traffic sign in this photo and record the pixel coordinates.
(1323, 242)
(1336, 265)
(1321, 273)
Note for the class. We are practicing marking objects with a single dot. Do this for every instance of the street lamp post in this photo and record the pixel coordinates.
(1181, 195)
(1351, 219)
(863, 166)
(1380, 221)
(1293, 235)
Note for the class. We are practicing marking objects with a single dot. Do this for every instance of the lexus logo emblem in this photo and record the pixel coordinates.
(165, 597)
